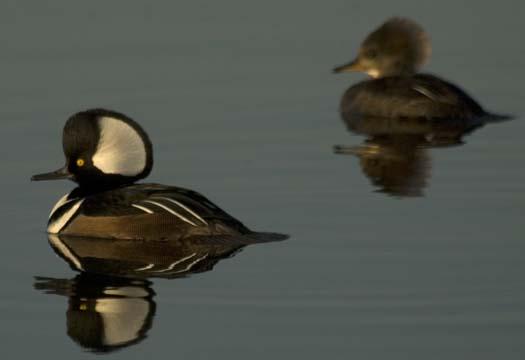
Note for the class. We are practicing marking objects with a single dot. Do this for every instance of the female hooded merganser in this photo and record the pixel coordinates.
(106, 152)
(392, 55)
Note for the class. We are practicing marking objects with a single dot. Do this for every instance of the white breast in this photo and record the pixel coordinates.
(63, 200)
(56, 223)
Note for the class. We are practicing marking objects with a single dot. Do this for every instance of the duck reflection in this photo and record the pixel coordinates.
(394, 156)
(146, 259)
(111, 302)
(104, 313)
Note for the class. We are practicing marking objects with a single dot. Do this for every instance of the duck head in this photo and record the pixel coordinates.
(398, 47)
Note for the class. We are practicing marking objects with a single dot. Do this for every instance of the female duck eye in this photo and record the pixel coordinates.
(80, 162)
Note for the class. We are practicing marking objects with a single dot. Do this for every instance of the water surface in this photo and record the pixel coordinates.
(240, 104)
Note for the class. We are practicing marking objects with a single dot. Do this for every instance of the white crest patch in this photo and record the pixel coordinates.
(122, 318)
(120, 149)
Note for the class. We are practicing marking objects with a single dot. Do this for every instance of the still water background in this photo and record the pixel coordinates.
(240, 103)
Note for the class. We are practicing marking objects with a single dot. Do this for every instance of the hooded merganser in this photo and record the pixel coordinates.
(392, 54)
(106, 152)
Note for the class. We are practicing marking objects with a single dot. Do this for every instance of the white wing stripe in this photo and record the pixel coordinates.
(147, 267)
(172, 265)
(191, 264)
(171, 211)
(62, 201)
(143, 208)
(182, 206)
(425, 92)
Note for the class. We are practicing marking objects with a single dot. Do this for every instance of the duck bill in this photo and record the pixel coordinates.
(352, 66)
(62, 173)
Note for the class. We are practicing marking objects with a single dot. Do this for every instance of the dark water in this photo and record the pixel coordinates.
(240, 104)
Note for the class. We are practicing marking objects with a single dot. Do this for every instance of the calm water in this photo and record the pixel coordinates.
(240, 103)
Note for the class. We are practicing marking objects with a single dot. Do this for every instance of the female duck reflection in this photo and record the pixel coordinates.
(111, 303)
(394, 156)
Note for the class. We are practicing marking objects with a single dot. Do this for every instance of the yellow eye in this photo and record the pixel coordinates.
(80, 162)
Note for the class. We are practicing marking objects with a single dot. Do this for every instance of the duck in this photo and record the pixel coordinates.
(106, 153)
(392, 56)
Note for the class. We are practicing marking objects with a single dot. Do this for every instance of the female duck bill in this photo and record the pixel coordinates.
(352, 66)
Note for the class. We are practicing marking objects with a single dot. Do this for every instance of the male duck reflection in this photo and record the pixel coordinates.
(111, 303)
(106, 152)
(104, 313)
(392, 55)
(128, 258)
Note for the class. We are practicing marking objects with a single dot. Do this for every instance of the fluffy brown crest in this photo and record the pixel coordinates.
(403, 38)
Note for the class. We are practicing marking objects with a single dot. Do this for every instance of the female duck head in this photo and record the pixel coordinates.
(398, 47)
(103, 148)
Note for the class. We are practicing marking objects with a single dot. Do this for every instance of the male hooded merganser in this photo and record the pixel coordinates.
(392, 55)
(106, 152)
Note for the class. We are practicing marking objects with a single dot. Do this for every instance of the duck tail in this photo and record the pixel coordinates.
(492, 117)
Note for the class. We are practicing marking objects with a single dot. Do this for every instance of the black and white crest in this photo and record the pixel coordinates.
(111, 148)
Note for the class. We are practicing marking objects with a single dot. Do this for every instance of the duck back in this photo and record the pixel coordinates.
(416, 96)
